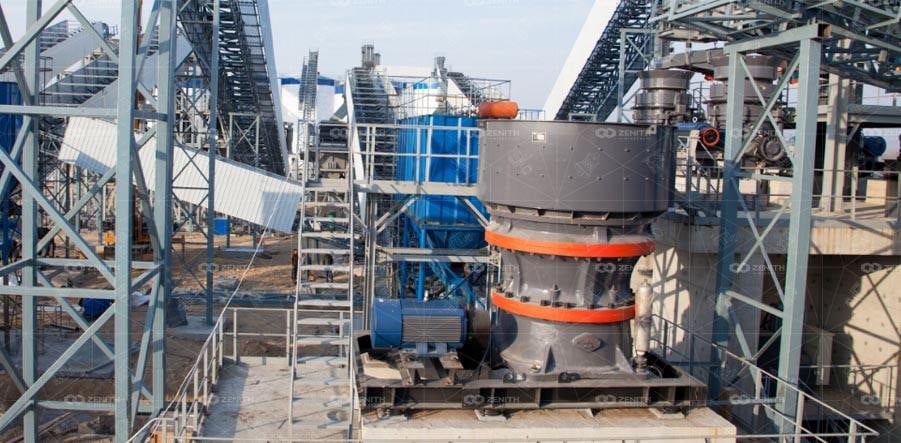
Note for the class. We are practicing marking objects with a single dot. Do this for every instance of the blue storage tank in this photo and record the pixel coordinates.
(440, 221)
(442, 210)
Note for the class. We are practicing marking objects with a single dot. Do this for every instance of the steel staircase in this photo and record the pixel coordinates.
(322, 400)
(307, 124)
(466, 86)
(373, 105)
(595, 90)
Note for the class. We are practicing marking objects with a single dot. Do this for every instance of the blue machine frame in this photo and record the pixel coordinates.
(438, 221)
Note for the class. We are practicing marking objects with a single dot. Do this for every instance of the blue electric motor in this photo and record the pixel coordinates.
(874, 145)
(429, 327)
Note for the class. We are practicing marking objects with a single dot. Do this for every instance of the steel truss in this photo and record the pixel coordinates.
(198, 110)
(133, 394)
(873, 28)
(244, 76)
(807, 45)
(596, 88)
(307, 127)
(635, 54)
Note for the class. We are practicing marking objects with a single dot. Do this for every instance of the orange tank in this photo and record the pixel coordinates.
(502, 109)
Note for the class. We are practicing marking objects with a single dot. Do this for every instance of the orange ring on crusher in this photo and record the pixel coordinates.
(592, 316)
(585, 250)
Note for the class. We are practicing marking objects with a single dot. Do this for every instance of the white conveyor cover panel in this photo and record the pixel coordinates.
(242, 192)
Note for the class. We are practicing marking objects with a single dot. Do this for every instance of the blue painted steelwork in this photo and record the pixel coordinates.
(692, 126)
(9, 127)
(438, 221)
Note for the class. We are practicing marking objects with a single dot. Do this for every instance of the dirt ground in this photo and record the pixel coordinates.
(267, 271)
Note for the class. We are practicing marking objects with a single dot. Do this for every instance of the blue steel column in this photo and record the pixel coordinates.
(728, 218)
(798, 251)
(29, 225)
(213, 147)
(125, 111)
(163, 195)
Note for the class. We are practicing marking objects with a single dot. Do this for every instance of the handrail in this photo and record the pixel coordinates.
(422, 153)
(193, 395)
(855, 429)
(697, 180)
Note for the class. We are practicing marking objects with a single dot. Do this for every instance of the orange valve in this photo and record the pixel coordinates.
(499, 110)
(710, 137)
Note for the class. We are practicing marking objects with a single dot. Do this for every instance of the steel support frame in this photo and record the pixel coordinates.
(129, 384)
(244, 138)
(872, 60)
(836, 144)
(793, 290)
(645, 50)
(198, 109)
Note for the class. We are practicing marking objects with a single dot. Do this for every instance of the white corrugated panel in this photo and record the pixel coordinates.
(241, 191)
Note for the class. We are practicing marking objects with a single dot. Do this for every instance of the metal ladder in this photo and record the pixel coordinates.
(321, 400)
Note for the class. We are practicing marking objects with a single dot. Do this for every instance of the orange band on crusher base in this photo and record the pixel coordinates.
(593, 316)
(585, 250)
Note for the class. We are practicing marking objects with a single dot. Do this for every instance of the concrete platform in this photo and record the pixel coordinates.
(196, 328)
(617, 425)
(251, 402)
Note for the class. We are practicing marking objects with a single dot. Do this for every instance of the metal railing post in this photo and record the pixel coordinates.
(235, 335)
(206, 380)
(855, 175)
(799, 416)
(288, 337)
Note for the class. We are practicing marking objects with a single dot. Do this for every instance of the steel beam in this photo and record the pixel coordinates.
(213, 150)
(163, 204)
(798, 250)
(125, 110)
(793, 293)
(728, 221)
(30, 219)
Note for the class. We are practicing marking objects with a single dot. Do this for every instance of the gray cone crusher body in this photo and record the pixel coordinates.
(571, 205)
